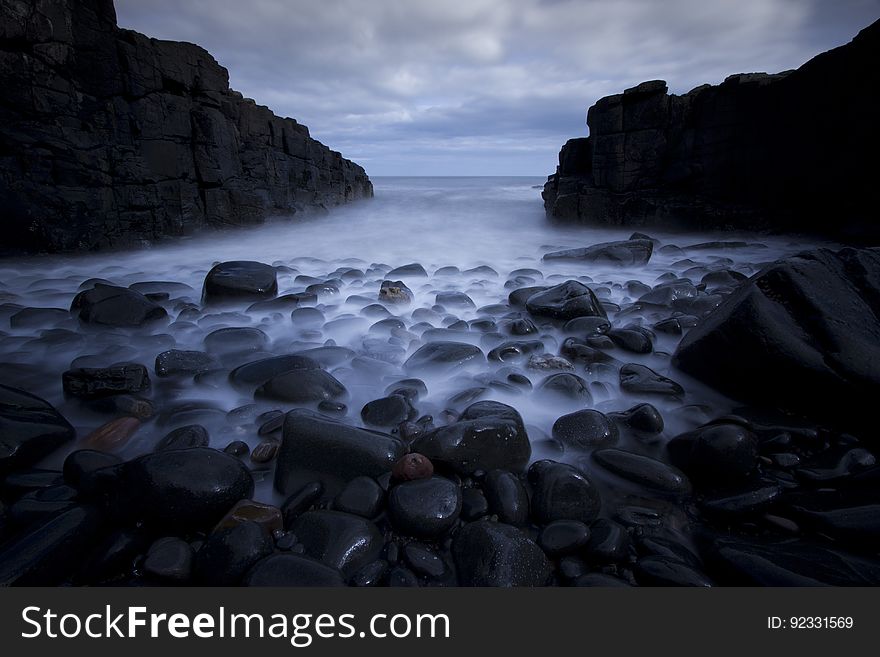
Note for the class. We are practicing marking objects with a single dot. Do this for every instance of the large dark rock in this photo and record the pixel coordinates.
(716, 454)
(443, 356)
(30, 428)
(315, 448)
(488, 435)
(240, 279)
(230, 552)
(622, 254)
(96, 382)
(46, 553)
(122, 139)
(494, 554)
(562, 492)
(757, 151)
(302, 386)
(187, 488)
(424, 508)
(254, 374)
(286, 570)
(565, 301)
(107, 305)
(803, 335)
(343, 541)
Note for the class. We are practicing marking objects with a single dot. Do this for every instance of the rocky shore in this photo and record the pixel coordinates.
(309, 423)
(111, 139)
(780, 152)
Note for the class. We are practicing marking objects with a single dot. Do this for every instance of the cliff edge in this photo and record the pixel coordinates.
(109, 138)
(792, 151)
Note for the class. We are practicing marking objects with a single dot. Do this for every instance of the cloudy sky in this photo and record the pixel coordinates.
(482, 87)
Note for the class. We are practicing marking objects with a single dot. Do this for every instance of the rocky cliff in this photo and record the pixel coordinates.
(791, 151)
(110, 138)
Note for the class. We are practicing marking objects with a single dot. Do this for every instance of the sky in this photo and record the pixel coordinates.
(482, 87)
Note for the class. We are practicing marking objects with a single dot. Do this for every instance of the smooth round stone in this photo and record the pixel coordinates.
(487, 435)
(514, 351)
(302, 386)
(566, 385)
(329, 355)
(412, 270)
(585, 429)
(507, 497)
(412, 466)
(191, 435)
(107, 305)
(332, 408)
(188, 488)
(98, 382)
(83, 462)
(563, 537)
(642, 417)
(498, 555)
(586, 326)
(371, 574)
(443, 357)
(425, 508)
(561, 492)
(663, 571)
(240, 280)
(362, 496)
(473, 504)
(31, 429)
(237, 448)
(301, 501)
(291, 570)
(716, 454)
(565, 302)
(423, 560)
(454, 300)
(307, 317)
(387, 411)
(228, 553)
(169, 559)
(643, 380)
(343, 541)
(600, 580)
(179, 362)
(609, 542)
(235, 339)
(264, 452)
(412, 389)
(636, 340)
(644, 471)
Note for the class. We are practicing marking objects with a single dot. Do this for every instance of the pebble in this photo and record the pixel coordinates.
(425, 508)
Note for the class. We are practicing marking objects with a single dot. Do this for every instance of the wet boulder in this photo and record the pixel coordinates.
(585, 429)
(240, 280)
(108, 305)
(565, 301)
(639, 379)
(395, 292)
(424, 508)
(443, 357)
(316, 448)
(624, 253)
(302, 386)
(97, 382)
(343, 541)
(187, 488)
(487, 435)
(716, 454)
(30, 428)
(803, 335)
(562, 492)
(494, 554)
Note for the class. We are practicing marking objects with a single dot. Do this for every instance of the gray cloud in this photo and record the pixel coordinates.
(492, 87)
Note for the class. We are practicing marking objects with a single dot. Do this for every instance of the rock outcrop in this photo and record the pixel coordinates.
(785, 151)
(110, 138)
(803, 336)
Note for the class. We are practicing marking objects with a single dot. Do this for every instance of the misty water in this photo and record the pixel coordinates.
(492, 230)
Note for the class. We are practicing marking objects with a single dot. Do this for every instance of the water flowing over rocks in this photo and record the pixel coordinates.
(579, 423)
(125, 140)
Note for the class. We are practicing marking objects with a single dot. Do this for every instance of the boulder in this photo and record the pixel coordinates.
(565, 301)
(803, 335)
(625, 253)
(494, 554)
(240, 279)
(107, 305)
(30, 429)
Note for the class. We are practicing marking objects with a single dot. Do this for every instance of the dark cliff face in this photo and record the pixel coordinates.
(110, 138)
(792, 151)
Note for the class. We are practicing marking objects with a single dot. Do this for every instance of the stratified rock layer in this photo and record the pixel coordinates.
(782, 151)
(110, 138)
